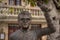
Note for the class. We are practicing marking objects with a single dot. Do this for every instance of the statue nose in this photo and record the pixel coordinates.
(25, 21)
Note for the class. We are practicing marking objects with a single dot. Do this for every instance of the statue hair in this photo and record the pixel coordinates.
(23, 13)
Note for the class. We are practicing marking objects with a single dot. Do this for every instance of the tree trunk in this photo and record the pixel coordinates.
(54, 17)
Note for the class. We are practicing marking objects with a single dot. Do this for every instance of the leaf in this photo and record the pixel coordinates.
(1, 1)
(32, 2)
(46, 1)
(11, 9)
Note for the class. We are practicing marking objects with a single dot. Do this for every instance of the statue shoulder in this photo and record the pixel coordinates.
(14, 34)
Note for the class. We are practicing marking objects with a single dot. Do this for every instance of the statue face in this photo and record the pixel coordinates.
(24, 20)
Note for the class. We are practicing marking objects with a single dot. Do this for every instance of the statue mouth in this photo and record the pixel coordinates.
(25, 28)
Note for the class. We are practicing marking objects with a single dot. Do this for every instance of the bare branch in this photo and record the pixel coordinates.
(56, 3)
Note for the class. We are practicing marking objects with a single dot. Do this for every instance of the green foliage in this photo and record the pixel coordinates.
(59, 1)
(33, 2)
(1, 1)
(46, 1)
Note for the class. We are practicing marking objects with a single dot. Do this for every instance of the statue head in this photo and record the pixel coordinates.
(24, 19)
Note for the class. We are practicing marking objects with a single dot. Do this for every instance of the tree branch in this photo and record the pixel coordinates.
(56, 3)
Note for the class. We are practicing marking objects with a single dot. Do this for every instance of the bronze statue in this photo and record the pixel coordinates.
(25, 33)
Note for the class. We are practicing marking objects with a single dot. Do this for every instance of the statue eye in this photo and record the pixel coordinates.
(28, 19)
(22, 19)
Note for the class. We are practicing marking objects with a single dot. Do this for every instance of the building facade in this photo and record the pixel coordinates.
(9, 10)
